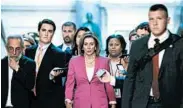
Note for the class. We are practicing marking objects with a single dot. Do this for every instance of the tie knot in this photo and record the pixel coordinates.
(156, 41)
(68, 49)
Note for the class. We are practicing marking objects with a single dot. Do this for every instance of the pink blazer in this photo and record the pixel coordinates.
(87, 94)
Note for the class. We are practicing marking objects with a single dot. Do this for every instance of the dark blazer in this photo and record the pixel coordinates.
(21, 84)
(136, 89)
(49, 94)
(60, 46)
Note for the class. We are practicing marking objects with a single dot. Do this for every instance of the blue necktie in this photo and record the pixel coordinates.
(68, 50)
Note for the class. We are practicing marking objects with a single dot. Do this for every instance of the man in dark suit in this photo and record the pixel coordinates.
(17, 75)
(159, 82)
(49, 92)
(68, 31)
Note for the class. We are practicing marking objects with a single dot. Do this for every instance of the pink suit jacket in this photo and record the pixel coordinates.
(87, 94)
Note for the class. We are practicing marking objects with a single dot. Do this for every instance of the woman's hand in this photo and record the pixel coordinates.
(124, 62)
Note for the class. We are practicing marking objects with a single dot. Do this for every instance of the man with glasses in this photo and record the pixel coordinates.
(17, 75)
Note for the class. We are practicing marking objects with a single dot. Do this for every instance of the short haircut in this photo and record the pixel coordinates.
(75, 46)
(143, 25)
(156, 7)
(15, 37)
(46, 21)
(120, 38)
(89, 35)
(69, 24)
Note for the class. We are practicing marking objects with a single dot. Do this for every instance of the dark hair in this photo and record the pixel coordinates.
(75, 46)
(132, 33)
(143, 25)
(156, 7)
(89, 35)
(120, 38)
(69, 24)
(47, 21)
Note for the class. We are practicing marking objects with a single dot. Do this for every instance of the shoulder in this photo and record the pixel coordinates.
(4, 59)
(100, 58)
(77, 58)
(55, 49)
(27, 59)
(31, 48)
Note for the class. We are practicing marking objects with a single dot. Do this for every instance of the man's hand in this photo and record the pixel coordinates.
(55, 72)
(14, 64)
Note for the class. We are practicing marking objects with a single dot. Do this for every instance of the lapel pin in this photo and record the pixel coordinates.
(171, 46)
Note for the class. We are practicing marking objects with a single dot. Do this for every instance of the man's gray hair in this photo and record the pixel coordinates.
(15, 37)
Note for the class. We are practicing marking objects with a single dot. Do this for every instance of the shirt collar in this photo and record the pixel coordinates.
(44, 46)
(65, 46)
(162, 38)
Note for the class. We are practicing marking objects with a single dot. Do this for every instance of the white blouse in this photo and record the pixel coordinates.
(90, 72)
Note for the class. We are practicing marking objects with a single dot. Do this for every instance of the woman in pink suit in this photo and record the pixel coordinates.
(83, 87)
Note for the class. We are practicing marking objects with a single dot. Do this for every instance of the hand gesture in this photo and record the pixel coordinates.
(14, 64)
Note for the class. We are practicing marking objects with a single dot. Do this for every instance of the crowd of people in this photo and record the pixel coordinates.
(38, 74)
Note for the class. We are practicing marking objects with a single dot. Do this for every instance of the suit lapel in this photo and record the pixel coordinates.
(149, 64)
(46, 57)
(167, 54)
(83, 67)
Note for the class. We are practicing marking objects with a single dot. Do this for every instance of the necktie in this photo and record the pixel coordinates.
(68, 50)
(39, 58)
(38, 63)
(155, 85)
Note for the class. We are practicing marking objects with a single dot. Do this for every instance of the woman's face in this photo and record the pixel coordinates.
(79, 36)
(89, 46)
(114, 47)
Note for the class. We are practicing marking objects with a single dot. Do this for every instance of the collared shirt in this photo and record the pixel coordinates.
(151, 44)
(10, 75)
(44, 48)
(65, 46)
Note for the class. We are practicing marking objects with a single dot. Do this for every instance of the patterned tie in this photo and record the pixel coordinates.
(155, 85)
(38, 63)
(39, 58)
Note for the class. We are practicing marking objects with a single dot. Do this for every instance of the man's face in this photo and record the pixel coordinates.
(46, 33)
(158, 22)
(14, 48)
(68, 34)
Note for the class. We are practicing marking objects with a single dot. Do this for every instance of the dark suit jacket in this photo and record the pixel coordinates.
(49, 94)
(60, 46)
(21, 84)
(138, 82)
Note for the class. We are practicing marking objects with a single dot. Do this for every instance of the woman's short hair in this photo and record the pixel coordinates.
(120, 38)
(89, 35)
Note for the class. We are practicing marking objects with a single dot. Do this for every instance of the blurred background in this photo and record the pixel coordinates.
(109, 16)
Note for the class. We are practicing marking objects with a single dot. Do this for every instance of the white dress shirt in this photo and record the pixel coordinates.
(151, 43)
(10, 75)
